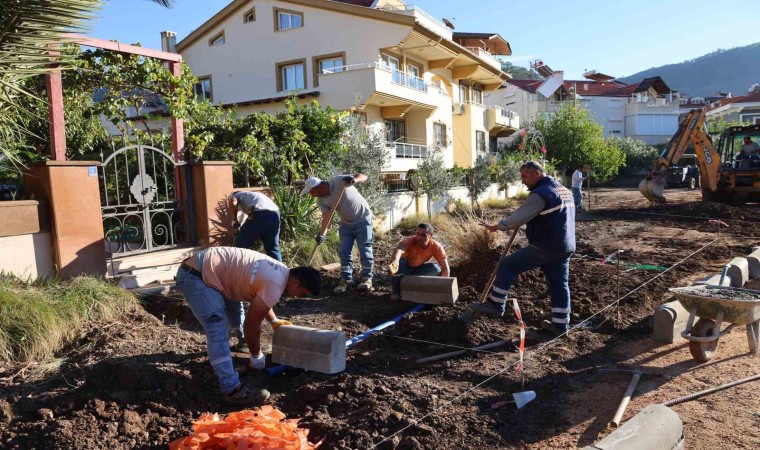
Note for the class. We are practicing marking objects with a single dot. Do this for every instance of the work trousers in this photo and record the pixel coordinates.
(361, 233)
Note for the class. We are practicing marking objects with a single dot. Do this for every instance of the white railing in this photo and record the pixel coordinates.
(504, 112)
(406, 150)
(397, 76)
(474, 103)
(426, 18)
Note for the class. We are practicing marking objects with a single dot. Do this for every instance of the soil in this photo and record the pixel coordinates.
(139, 383)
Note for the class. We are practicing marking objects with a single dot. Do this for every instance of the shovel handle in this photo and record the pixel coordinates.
(324, 228)
(496, 269)
(626, 398)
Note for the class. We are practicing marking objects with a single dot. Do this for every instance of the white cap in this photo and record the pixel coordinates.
(311, 183)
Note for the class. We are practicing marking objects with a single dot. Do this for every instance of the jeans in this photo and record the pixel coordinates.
(208, 307)
(361, 232)
(431, 269)
(556, 267)
(264, 225)
(578, 198)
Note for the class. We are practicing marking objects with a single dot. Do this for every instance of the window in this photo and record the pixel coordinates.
(249, 16)
(394, 131)
(464, 93)
(390, 62)
(480, 141)
(439, 134)
(217, 40)
(202, 89)
(285, 19)
(332, 63)
(291, 75)
(477, 96)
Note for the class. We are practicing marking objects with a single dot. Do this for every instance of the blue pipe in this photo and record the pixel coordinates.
(277, 370)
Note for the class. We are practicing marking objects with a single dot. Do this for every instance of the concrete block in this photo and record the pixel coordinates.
(429, 290)
(669, 321)
(322, 351)
(754, 264)
(738, 270)
(655, 427)
(714, 280)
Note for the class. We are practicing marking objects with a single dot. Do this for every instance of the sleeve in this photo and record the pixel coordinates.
(323, 206)
(524, 214)
(440, 254)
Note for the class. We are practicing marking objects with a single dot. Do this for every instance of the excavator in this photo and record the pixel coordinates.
(726, 175)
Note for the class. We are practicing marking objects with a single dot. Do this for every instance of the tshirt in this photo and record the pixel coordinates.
(577, 179)
(352, 207)
(749, 149)
(417, 256)
(242, 275)
(249, 202)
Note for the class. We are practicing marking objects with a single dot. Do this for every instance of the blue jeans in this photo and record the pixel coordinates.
(264, 225)
(578, 198)
(430, 269)
(556, 267)
(361, 232)
(208, 307)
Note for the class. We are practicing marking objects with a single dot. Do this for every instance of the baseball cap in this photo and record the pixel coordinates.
(310, 184)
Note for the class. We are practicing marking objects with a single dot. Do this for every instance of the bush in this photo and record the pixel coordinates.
(479, 179)
(638, 154)
(499, 203)
(298, 214)
(36, 321)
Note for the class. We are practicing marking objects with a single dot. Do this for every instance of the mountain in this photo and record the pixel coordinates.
(733, 70)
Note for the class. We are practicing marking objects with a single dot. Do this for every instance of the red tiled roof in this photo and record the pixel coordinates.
(365, 3)
(751, 98)
(527, 85)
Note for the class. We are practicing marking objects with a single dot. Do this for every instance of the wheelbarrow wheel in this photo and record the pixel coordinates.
(703, 351)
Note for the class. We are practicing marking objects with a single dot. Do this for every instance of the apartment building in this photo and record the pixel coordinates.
(386, 60)
(741, 109)
(646, 110)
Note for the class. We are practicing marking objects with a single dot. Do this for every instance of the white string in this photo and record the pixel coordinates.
(442, 344)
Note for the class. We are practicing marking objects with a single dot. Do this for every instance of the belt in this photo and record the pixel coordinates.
(190, 270)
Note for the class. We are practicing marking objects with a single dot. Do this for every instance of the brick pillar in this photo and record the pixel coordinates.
(76, 226)
(212, 184)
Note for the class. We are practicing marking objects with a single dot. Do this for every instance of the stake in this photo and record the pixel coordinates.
(324, 228)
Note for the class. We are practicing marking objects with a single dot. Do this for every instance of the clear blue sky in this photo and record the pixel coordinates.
(615, 37)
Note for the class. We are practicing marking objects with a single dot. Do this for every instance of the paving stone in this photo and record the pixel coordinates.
(669, 321)
(322, 351)
(429, 290)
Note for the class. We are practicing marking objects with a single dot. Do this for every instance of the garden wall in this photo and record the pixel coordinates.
(27, 251)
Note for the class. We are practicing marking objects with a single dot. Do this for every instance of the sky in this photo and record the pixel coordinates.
(617, 38)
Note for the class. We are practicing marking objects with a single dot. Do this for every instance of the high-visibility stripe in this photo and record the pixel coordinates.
(561, 310)
(562, 321)
(498, 300)
(221, 360)
(499, 290)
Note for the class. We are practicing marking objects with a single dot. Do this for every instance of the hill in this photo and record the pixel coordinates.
(733, 70)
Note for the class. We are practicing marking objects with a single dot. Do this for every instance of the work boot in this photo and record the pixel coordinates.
(488, 308)
(365, 285)
(344, 285)
(247, 396)
(553, 328)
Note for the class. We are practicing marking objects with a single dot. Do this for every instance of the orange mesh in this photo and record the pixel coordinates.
(263, 428)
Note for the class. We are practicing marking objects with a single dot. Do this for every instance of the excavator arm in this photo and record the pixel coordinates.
(691, 129)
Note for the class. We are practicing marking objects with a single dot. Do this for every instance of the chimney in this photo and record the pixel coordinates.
(169, 41)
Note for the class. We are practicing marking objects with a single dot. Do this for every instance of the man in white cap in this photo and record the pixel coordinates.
(355, 224)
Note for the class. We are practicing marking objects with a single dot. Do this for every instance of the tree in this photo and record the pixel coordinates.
(717, 126)
(573, 138)
(435, 180)
(519, 73)
(638, 154)
(479, 178)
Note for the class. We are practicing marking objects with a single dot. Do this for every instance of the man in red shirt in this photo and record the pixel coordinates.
(412, 255)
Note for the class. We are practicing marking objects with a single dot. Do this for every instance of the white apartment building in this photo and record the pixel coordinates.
(388, 61)
(645, 110)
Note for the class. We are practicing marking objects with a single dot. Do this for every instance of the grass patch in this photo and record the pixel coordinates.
(37, 320)
(296, 252)
(499, 203)
(438, 221)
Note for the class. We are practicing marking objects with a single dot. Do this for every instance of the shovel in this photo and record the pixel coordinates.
(324, 228)
(468, 315)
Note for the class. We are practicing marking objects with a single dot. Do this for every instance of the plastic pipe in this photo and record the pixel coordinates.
(277, 370)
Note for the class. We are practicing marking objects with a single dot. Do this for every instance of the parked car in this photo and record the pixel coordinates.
(685, 173)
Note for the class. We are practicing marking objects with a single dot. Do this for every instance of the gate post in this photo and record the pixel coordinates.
(76, 228)
(212, 184)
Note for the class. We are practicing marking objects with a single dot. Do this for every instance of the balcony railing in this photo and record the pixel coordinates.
(424, 18)
(397, 76)
(504, 112)
(409, 147)
(485, 55)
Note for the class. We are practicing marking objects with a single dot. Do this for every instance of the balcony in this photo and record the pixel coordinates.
(644, 107)
(486, 56)
(500, 120)
(409, 148)
(424, 19)
(377, 84)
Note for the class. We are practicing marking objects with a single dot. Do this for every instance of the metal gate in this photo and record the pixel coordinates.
(141, 209)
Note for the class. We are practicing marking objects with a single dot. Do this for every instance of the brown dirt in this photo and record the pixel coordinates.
(139, 383)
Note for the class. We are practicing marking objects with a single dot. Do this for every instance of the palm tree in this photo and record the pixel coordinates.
(28, 28)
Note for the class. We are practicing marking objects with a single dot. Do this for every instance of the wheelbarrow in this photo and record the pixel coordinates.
(715, 305)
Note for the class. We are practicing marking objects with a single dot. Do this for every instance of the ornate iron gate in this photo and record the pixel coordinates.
(138, 194)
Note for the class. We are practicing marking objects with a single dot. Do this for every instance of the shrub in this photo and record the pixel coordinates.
(479, 179)
(297, 213)
(499, 203)
(638, 154)
(37, 321)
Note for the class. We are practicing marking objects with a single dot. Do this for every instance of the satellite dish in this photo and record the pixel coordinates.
(448, 24)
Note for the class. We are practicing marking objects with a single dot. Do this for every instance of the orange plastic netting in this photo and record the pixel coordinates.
(263, 428)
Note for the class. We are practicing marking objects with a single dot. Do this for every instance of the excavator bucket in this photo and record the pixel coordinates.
(652, 188)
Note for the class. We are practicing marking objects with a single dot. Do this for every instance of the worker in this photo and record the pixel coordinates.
(549, 212)
(355, 225)
(577, 186)
(218, 273)
(262, 221)
(412, 255)
(750, 148)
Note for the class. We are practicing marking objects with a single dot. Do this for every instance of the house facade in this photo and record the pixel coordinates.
(645, 110)
(740, 109)
(389, 62)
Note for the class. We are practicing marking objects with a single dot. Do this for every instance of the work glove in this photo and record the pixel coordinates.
(393, 268)
(280, 322)
(348, 179)
(258, 362)
(321, 238)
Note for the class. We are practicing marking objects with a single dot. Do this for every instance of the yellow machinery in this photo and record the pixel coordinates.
(725, 174)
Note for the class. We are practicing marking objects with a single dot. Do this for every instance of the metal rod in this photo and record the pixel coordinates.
(461, 352)
(699, 394)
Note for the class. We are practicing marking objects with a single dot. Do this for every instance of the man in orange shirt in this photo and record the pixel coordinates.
(412, 255)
